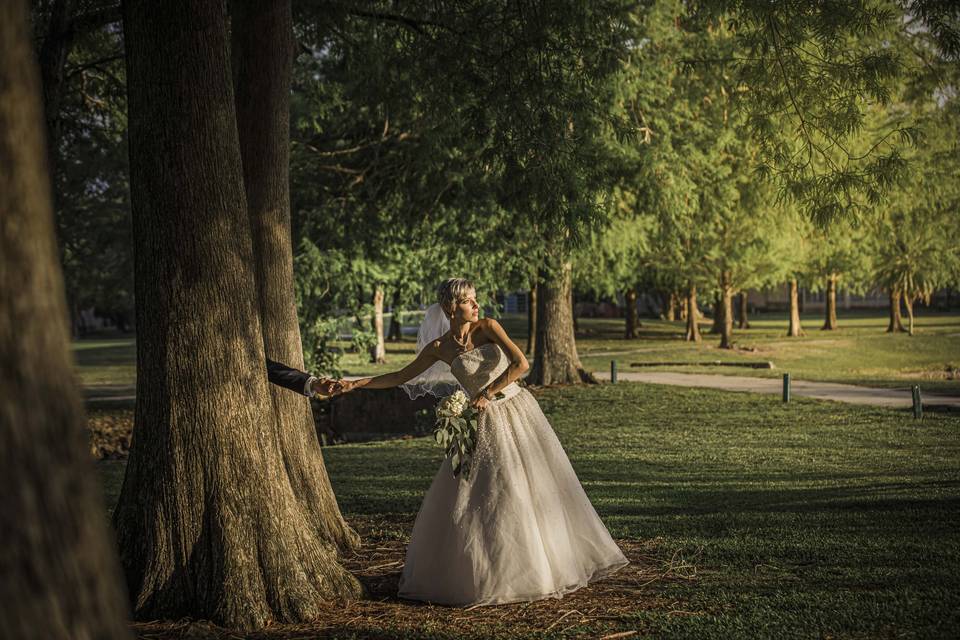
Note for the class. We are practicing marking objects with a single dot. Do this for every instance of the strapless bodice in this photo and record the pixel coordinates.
(477, 368)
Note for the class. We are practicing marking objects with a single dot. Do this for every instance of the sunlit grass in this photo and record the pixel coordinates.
(808, 519)
(859, 352)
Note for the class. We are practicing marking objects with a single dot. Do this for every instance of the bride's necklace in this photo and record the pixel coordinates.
(461, 343)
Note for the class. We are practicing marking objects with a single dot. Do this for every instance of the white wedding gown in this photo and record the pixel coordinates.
(521, 527)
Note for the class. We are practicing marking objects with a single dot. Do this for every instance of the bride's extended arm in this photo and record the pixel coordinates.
(518, 362)
(423, 361)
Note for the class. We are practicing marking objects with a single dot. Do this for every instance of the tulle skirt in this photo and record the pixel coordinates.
(519, 529)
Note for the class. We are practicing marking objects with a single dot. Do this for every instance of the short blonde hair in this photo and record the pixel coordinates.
(452, 291)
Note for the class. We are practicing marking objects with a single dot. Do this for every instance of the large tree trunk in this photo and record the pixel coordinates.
(896, 323)
(262, 96)
(394, 333)
(60, 573)
(633, 320)
(830, 308)
(555, 359)
(378, 352)
(693, 328)
(726, 309)
(795, 330)
(209, 524)
(744, 320)
(718, 319)
(532, 320)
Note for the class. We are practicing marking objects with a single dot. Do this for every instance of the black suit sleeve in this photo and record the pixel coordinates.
(286, 377)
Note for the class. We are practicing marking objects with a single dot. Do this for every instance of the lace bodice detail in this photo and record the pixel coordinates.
(477, 368)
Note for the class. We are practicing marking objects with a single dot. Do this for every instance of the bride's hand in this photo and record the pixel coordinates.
(480, 401)
(344, 386)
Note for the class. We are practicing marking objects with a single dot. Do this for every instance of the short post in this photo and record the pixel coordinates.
(917, 403)
(613, 372)
(786, 387)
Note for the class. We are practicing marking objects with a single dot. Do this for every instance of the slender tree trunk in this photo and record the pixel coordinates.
(693, 328)
(54, 50)
(744, 320)
(633, 320)
(378, 352)
(262, 96)
(573, 313)
(795, 330)
(394, 334)
(684, 308)
(830, 309)
(555, 359)
(60, 573)
(908, 303)
(670, 305)
(718, 319)
(895, 324)
(726, 308)
(532, 319)
(209, 524)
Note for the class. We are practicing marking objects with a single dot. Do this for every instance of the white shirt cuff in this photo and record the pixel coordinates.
(307, 391)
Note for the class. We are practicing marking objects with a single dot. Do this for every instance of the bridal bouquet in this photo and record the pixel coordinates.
(456, 430)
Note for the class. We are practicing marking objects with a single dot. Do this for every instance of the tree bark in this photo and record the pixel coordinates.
(378, 352)
(908, 303)
(573, 313)
(555, 359)
(830, 308)
(795, 330)
(633, 320)
(54, 51)
(744, 320)
(896, 323)
(684, 308)
(693, 329)
(209, 524)
(532, 320)
(394, 333)
(60, 573)
(726, 309)
(262, 76)
(718, 320)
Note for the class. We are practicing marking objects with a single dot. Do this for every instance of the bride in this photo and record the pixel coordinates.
(520, 528)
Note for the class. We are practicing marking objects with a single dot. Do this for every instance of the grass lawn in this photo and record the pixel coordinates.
(860, 352)
(761, 520)
(106, 361)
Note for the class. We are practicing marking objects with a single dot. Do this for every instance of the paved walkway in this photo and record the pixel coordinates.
(821, 390)
(102, 396)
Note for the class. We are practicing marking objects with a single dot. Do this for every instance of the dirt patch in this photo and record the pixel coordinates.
(601, 608)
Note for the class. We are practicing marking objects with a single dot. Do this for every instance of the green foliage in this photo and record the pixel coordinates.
(479, 138)
(806, 74)
(439, 140)
(92, 201)
(915, 238)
